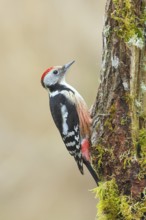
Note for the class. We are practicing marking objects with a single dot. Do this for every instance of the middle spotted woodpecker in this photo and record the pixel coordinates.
(70, 114)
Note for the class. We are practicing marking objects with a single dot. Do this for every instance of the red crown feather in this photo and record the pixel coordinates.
(45, 73)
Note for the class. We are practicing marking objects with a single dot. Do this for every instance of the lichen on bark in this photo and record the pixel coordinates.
(119, 113)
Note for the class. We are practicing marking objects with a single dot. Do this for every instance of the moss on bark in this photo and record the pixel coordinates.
(119, 114)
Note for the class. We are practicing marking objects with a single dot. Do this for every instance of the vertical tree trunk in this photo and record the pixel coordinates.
(119, 114)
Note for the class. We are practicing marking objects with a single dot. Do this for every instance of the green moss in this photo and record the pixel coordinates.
(130, 209)
(108, 121)
(141, 152)
(142, 142)
(130, 25)
(114, 206)
(108, 205)
(100, 153)
(142, 116)
(124, 120)
(128, 98)
(127, 157)
(103, 152)
(125, 208)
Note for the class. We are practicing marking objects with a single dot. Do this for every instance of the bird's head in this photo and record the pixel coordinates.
(54, 75)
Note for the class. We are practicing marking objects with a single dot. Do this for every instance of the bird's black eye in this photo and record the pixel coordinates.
(55, 72)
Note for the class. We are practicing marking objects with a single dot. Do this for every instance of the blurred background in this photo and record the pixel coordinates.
(39, 180)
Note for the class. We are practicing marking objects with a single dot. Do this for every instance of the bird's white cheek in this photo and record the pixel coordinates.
(49, 80)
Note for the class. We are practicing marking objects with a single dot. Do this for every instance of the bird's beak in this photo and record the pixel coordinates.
(66, 66)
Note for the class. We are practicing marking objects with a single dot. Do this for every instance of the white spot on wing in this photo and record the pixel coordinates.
(64, 113)
(77, 138)
(72, 152)
(78, 146)
(76, 128)
(80, 162)
(71, 133)
(70, 144)
(79, 155)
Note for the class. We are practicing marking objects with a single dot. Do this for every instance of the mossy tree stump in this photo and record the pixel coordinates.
(119, 113)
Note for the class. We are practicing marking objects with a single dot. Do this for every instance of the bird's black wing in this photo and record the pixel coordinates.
(66, 119)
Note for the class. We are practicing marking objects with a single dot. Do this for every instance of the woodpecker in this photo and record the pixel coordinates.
(70, 114)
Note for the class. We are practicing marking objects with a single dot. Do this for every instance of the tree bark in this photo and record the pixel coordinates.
(119, 113)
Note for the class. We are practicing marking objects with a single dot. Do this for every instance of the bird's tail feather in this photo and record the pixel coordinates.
(92, 171)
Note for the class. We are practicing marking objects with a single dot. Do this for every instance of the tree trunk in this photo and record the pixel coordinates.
(119, 114)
